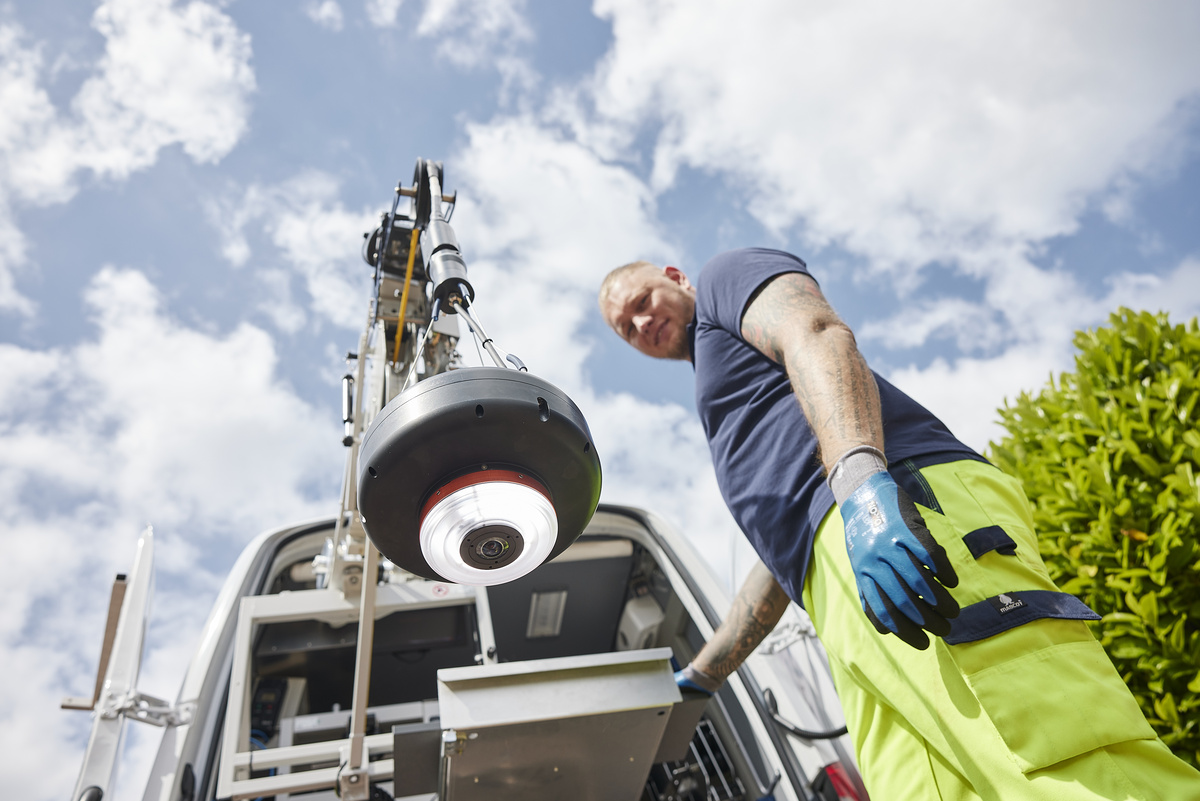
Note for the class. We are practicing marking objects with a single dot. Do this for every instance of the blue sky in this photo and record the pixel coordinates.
(184, 187)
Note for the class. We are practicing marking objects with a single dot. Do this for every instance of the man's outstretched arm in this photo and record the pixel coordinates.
(759, 605)
(901, 571)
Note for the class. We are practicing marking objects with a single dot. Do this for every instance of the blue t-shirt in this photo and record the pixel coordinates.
(763, 450)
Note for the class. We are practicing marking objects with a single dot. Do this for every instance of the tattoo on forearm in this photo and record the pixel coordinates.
(757, 608)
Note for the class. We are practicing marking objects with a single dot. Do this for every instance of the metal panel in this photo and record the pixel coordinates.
(681, 726)
(595, 757)
(584, 727)
(416, 758)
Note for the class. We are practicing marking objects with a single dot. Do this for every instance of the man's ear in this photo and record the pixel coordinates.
(676, 275)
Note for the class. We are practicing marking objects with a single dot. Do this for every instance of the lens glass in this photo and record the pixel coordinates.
(492, 548)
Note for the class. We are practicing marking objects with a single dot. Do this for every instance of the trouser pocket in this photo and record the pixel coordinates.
(1021, 644)
(1055, 702)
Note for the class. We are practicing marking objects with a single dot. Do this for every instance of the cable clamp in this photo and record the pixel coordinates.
(145, 708)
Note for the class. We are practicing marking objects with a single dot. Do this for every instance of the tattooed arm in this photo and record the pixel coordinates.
(789, 321)
(756, 609)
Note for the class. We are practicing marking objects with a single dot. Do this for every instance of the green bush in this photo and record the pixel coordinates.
(1109, 457)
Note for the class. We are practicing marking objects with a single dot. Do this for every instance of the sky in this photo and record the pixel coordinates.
(184, 187)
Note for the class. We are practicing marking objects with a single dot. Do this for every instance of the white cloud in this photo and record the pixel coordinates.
(327, 14)
(12, 259)
(655, 457)
(28, 122)
(542, 221)
(1022, 304)
(147, 421)
(477, 25)
(170, 75)
(472, 33)
(906, 133)
(965, 392)
(1176, 292)
(972, 325)
(316, 237)
(382, 13)
(483, 33)
(27, 110)
(278, 304)
(152, 416)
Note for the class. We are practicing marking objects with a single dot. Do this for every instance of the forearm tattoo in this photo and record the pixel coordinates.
(789, 321)
(758, 606)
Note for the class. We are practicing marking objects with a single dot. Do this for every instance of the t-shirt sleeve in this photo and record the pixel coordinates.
(729, 280)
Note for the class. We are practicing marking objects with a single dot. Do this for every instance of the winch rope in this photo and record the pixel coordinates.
(408, 272)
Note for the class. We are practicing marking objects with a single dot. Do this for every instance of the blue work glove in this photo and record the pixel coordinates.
(692, 682)
(901, 571)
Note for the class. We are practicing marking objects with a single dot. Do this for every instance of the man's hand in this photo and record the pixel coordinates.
(694, 683)
(901, 571)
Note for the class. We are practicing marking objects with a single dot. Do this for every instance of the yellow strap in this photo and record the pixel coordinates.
(412, 255)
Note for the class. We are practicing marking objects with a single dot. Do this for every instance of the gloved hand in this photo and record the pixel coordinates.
(902, 572)
(693, 681)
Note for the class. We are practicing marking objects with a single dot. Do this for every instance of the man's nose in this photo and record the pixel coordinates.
(642, 322)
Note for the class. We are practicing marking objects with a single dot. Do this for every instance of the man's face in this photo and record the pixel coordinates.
(651, 309)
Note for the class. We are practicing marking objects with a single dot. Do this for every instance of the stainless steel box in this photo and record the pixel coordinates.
(580, 727)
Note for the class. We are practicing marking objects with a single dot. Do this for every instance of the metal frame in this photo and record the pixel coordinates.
(350, 568)
(233, 780)
(118, 697)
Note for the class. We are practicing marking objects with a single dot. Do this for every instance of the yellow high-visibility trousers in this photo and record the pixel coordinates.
(1018, 702)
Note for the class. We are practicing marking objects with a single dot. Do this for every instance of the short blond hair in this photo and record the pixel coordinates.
(616, 275)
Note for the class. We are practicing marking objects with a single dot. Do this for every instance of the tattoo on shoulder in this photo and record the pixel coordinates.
(778, 303)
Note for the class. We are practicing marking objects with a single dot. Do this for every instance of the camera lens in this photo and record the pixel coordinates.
(490, 549)
(491, 546)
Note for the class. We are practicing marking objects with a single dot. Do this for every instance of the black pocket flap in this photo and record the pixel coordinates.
(1009, 610)
(989, 538)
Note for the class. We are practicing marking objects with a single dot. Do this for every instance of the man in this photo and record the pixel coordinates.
(1013, 698)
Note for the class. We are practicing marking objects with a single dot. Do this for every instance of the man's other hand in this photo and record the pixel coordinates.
(902, 572)
(694, 682)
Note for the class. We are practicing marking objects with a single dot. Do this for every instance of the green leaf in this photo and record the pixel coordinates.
(1176, 638)
(1134, 605)
(1127, 651)
(1166, 709)
(1148, 465)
